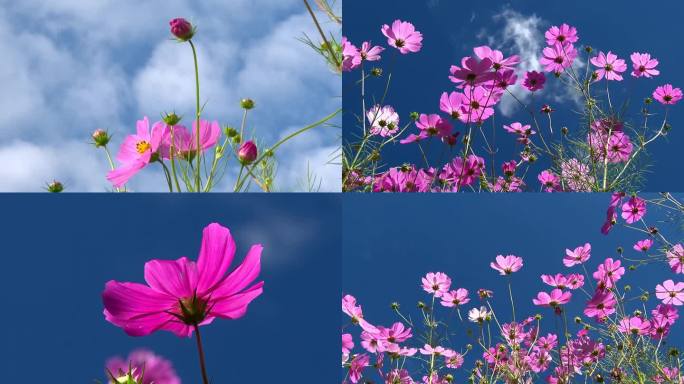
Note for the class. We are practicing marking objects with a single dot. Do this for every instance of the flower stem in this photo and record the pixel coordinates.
(200, 350)
(325, 40)
(111, 163)
(198, 181)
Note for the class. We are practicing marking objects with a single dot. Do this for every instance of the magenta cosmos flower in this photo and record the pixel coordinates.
(667, 95)
(558, 57)
(634, 325)
(351, 58)
(670, 292)
(633, 210)
(507, 264)
(577, 256)
(499, 62)
(370, 52)
(450, 103)
(185, 143)
(554, 299)
(534, 81)
(182, 294)
(675, 258)
(601, 305)
(247, 152)
(455, 298)
(181, 29)
(137, 151)
(436, 283)
(643, 245)
(561, 35)
(157, 370)
(429, 125)
(550, 181)
(472, 71)
(643, 65)
(403, 36)
(609, 66)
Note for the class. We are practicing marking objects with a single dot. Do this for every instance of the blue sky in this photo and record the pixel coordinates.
(72, 66)
(61, 251)
(452, 29)
(388, 247)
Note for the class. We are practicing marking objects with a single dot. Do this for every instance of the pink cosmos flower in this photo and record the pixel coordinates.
(347, 345)
(502, 80)
(634, 325)
(436, 283)
(667, 95)
(404, 179)
(351, 58)
(554, 299)
(549, 181)
(458, 173)
(358, 364)
(384, 120)
(455, 298)
(477, 104)
(372, 342)
(430, 350)
(670, 293)
(609, 273)
(577, 256)
(185, 143)
(397, 333)
(534, 81)
(403, 36)
(507, 264)
(675, 257)
(429, 125)
(369, 52)
(497, 58)
(561, 35)
(643, 65)
(354, 311)
(137, 151)
(399, 376)
(450, 103)
(611, 219)
(619, 147)
(601, 305)
(633, 210)
(183, 294)
(576, 175)
(157, 370)
(571, 281)
(454, 361)
(558, 57)
(609, 66)
(472, 72)
(643, 245)
(523, 131)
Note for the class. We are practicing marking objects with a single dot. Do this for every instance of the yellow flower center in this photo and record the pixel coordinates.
(142, 146)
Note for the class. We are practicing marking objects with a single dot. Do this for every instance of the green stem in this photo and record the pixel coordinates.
(198, 178)
(111, 163)
(173, 161)
(325, 41)
(238, 184)
(200, 350)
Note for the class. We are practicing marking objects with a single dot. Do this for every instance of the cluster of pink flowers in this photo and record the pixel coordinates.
(481, 80)
(523, 352)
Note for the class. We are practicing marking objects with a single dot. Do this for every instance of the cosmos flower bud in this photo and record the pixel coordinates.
(414, 116)
(546, 108)
(564, 131)
(648, 100)
(247, 103)
(55, 187)
(377, 72)
(230, 131)
(247, 152)
(394, 306)
(171, 119)
(182, 29)
(100, 138)
(588, 49)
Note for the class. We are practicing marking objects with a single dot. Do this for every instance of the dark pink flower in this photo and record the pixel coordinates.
(477, 104)
(182, 29)
(549, 181)
(558, 57)
(506, 265)
(644, 65)
(609, 66)
(137, 151)
(354, 311)
(247, 152)
(667, 95)
(633, 210)
(601, 305)
(351, 58)
(458, 173)
(157, 370)
(450, 103)
(182, 294)
(403, 36)
(554, 299)
(534, 81)
(472, 72)
(429, 126)
(561, 35)
(643, 245)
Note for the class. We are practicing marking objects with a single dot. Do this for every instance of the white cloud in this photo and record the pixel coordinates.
(72, 66)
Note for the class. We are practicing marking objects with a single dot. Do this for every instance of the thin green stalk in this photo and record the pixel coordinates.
(111, 163)
(325, 40)
(173, 161)
(198, 177)
(200, 350)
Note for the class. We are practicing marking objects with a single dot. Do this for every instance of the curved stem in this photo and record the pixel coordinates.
(111, 163)
(200, 350)
(198, 179)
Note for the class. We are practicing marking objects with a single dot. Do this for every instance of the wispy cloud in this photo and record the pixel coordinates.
(66, 72)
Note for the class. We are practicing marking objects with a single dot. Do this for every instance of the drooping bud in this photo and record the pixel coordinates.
(247, 103)
(100, 138)
(182, 29)
(55, 187)
(247, 152)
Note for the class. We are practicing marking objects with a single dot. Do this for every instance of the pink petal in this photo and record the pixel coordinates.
(242, 276)
(216, 254)
(175, 278)
(235, 306)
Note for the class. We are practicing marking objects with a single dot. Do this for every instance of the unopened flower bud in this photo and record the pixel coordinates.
(588, 49)
(619, 250)
(182, 29)
(247, 103)
(394, 306)
(414, 116)
(55, 187)
(594, 75)
(421, 305)
(100, 138)
(564, 131)
(666, 127)
(247, 152)
(237, 138)
(230, 131)
(171, 119)
(377, 72)
(648, 100)
(449, 377)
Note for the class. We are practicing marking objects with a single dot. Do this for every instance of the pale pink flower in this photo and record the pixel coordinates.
(561, 35)
(358, 364)
(643, 245)
(450, 103)
(347, 345)
(403, 36)
(436, 283)
(670, 292)
(577, 256)
(634, 325)
(558, 57)
(351, 58)
(667, 95)
(609, 273)
(675, 257)
(507, 264)
(455, 298)
(554, 299)
(644, 65)
(354, 311)
(369, 52)
(497, 58)
(609, 66)
(384, 120)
